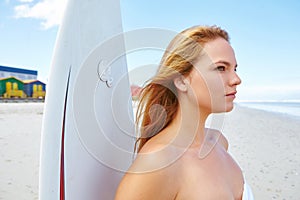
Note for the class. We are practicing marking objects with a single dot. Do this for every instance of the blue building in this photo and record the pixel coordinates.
(34, 88)
(22, 74)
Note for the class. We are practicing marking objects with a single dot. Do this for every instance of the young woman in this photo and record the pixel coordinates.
(178, 158)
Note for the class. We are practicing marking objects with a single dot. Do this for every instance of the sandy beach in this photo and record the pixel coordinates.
(266, 146)
(20, 125)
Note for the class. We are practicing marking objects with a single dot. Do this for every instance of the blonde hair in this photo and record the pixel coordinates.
(158, 103)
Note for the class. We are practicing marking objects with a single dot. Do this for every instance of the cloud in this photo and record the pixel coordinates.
(50, 12)
(25, 1)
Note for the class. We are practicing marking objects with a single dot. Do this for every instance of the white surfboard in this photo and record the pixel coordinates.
(87, 135)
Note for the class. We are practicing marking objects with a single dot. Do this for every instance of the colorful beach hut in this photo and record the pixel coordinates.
(34, 88)
(11, 87)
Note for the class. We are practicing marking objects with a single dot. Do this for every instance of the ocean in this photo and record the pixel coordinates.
(291, 108)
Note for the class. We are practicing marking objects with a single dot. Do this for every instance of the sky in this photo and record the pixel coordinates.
(264, 35)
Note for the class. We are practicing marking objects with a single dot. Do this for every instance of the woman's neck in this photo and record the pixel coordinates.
(188, 126)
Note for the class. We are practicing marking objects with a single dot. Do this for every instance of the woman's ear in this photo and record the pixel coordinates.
(181, 83)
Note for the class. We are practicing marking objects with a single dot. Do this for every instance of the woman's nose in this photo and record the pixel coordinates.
(235, 79)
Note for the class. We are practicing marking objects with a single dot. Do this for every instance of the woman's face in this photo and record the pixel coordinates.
(214, 80)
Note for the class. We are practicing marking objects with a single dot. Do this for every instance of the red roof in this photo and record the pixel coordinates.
(135, 90)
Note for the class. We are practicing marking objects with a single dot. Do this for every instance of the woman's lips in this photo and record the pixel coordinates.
(232, 94)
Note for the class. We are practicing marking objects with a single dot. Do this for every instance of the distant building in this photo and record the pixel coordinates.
(135, 91)
(22, 74)
(11, 87)
(34, 88)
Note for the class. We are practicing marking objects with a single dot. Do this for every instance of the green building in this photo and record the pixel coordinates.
(11, 87)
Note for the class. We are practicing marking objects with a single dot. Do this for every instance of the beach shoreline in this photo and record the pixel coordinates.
(265, 144)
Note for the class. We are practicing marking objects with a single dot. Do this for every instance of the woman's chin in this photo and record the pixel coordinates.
(229, 108)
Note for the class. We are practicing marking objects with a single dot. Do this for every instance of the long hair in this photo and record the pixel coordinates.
(158, 103)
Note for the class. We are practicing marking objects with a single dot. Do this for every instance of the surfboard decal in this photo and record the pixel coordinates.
(105, 76)
(62, 167)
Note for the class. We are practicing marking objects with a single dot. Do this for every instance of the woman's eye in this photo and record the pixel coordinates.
(221, 68)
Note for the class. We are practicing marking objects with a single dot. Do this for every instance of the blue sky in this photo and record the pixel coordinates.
(264, 34)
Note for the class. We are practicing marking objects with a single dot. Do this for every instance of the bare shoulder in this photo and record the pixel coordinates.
(219, 137)
(150, 172)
